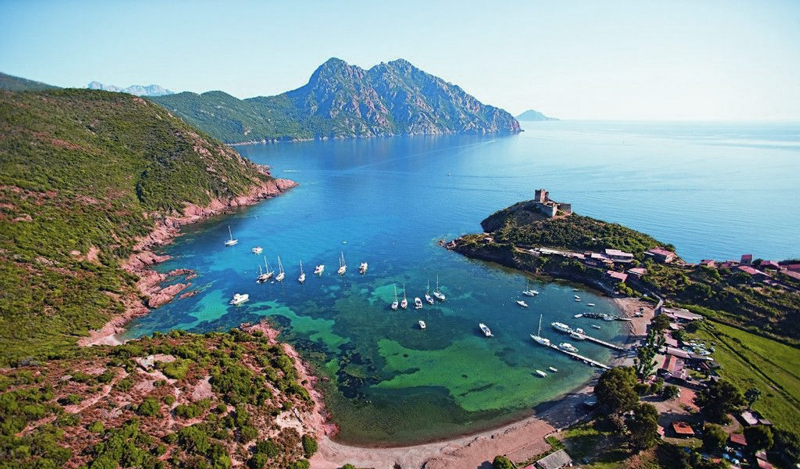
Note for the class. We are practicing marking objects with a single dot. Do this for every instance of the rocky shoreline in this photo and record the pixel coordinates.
(150, 293)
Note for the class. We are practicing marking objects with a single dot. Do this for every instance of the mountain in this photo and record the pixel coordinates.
(12, 83)
(137, 90)
(341, 101)
(531, 115)
(85, 177)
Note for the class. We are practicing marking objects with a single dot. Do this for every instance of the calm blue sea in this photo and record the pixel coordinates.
(712, 190)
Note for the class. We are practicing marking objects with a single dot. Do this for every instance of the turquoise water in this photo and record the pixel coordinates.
(711, 190)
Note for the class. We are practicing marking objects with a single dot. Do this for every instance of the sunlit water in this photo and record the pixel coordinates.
(711, 190)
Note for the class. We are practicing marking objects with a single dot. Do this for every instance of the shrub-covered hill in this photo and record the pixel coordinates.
(522, 224)
(179, 400)
(82, 175)
(12, 83)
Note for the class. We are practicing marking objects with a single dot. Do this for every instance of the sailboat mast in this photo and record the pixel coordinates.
(540, 326)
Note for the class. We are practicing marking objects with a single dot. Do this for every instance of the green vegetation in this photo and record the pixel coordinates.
(109, 433)
(615, 390)
(82, 175)
(12, 83)
(342, 100)
(714, 438)
(502, 462)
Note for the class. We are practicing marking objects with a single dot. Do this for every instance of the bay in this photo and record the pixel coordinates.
(712, 190)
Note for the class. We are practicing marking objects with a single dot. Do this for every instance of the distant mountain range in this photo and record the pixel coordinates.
(138, 90)
(341, 101)
(531, 115)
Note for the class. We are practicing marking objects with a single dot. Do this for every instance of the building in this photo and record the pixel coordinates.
(661, 255)
(616, 277)
(638, 272)
(682, 315)
(619, 256)
(673, 367)
(555, 460)
(548, 207)
(708, 262)
(747, 259)
(738, 439)
(755, 273)
(682, 430)
(772, 265)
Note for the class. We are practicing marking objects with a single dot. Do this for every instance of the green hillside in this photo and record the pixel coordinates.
(82, 174)
(12, 83)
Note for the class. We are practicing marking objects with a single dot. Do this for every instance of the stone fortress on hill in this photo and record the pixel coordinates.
(550, 208)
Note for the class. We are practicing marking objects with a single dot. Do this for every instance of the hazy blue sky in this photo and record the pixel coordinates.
(579, 60)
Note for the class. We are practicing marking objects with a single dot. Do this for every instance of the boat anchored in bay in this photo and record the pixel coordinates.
(231, 241)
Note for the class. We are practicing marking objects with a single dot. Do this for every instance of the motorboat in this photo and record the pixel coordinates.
(522, 303)
(231, 241)
(591, 305)
(239, 298)
(561, 327)
(566, 346)
(437, 293)
(319, 269)
(577, 335)
(485, 329)
(595, 326)
(257, 250)
(553, 369)
(541, 373)
(417, 303)
(362, 268)
(579, 315)
(422, 325)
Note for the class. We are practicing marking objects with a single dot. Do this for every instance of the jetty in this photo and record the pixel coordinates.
(579, 357)
(603, 343)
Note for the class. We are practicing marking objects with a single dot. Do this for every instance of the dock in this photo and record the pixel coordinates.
(603, 343)
(586, 360)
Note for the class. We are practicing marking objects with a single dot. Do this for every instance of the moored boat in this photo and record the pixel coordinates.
(404, 303)
(342, 265)
(417, 303)
(538, 337)
(302, 277)
(257, 250)
(239, 298)
(577, 336)
(231, 241)
(553, 369)
(561, 327)
(281, 274)
(428, 297)
(395, 303)
(318, 270)
(437, 293)
(541, 373)
(265, 275)
(567, 347)
(591, 305)
(522, 303)
(485, 329)
(362, 268)
(595, 326)
(422, 325)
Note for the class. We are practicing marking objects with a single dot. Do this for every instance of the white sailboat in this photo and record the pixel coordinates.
(528, 291)
(281, 274)
(538, 337)
(395, 303)
(302, 277)
(318, 270)
(436, 293)
(362, 268)
(404, 303)
(342, 265)
(265, 275)
(417, 303)
(231, 242)
(522, 303)
(428, 297)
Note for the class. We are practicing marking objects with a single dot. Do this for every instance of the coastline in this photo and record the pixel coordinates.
(148, 293)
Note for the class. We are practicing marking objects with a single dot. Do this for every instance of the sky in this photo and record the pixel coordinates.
(609, 60)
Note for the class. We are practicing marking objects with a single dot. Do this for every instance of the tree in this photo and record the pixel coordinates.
(714, 438)
(615, 390)
(758, 437)
(752, 395)
(670, 392)
(660, 323)
(645, 360)
(309, 446)
(718, 400)
(502, 462)
(643, 426)
(149, 407)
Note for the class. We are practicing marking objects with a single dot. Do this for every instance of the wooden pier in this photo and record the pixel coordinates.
(603, 342)
(586, 360)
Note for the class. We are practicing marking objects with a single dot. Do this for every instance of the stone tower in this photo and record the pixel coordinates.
(541, 196)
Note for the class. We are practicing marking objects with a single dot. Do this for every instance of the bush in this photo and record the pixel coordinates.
(309, 446)
(301, 464)
(714, 438)
(502, 462)
(268, 448)
(670, 392)
(258, 461)
(96, 427)
(149, 408)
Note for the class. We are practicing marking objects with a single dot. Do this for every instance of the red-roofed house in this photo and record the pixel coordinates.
(619, 256)
(747, 259)
(769, 265)
(792, 267)
(682, 429)
(637, 272)
(738, 439)
(762, 464)
(708, 262)
(661, 255)
(616, 277)
(757, 274)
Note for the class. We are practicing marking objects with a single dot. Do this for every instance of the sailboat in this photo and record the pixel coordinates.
(319, 269)
(231, 242)
(538, 337)
(267, 274)
(302, 277)
(428, 297)
(404, 303)
(281, 274)
(528, 291)
(522, 303)
(395, 303)
(342, 265)
(438, 294)
(362, 268)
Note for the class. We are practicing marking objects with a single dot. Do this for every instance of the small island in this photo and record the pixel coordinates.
(532, 115)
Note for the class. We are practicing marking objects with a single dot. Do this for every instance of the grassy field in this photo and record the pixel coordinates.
(750, 360)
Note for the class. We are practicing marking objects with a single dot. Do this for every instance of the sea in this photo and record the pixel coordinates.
(713, 190)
